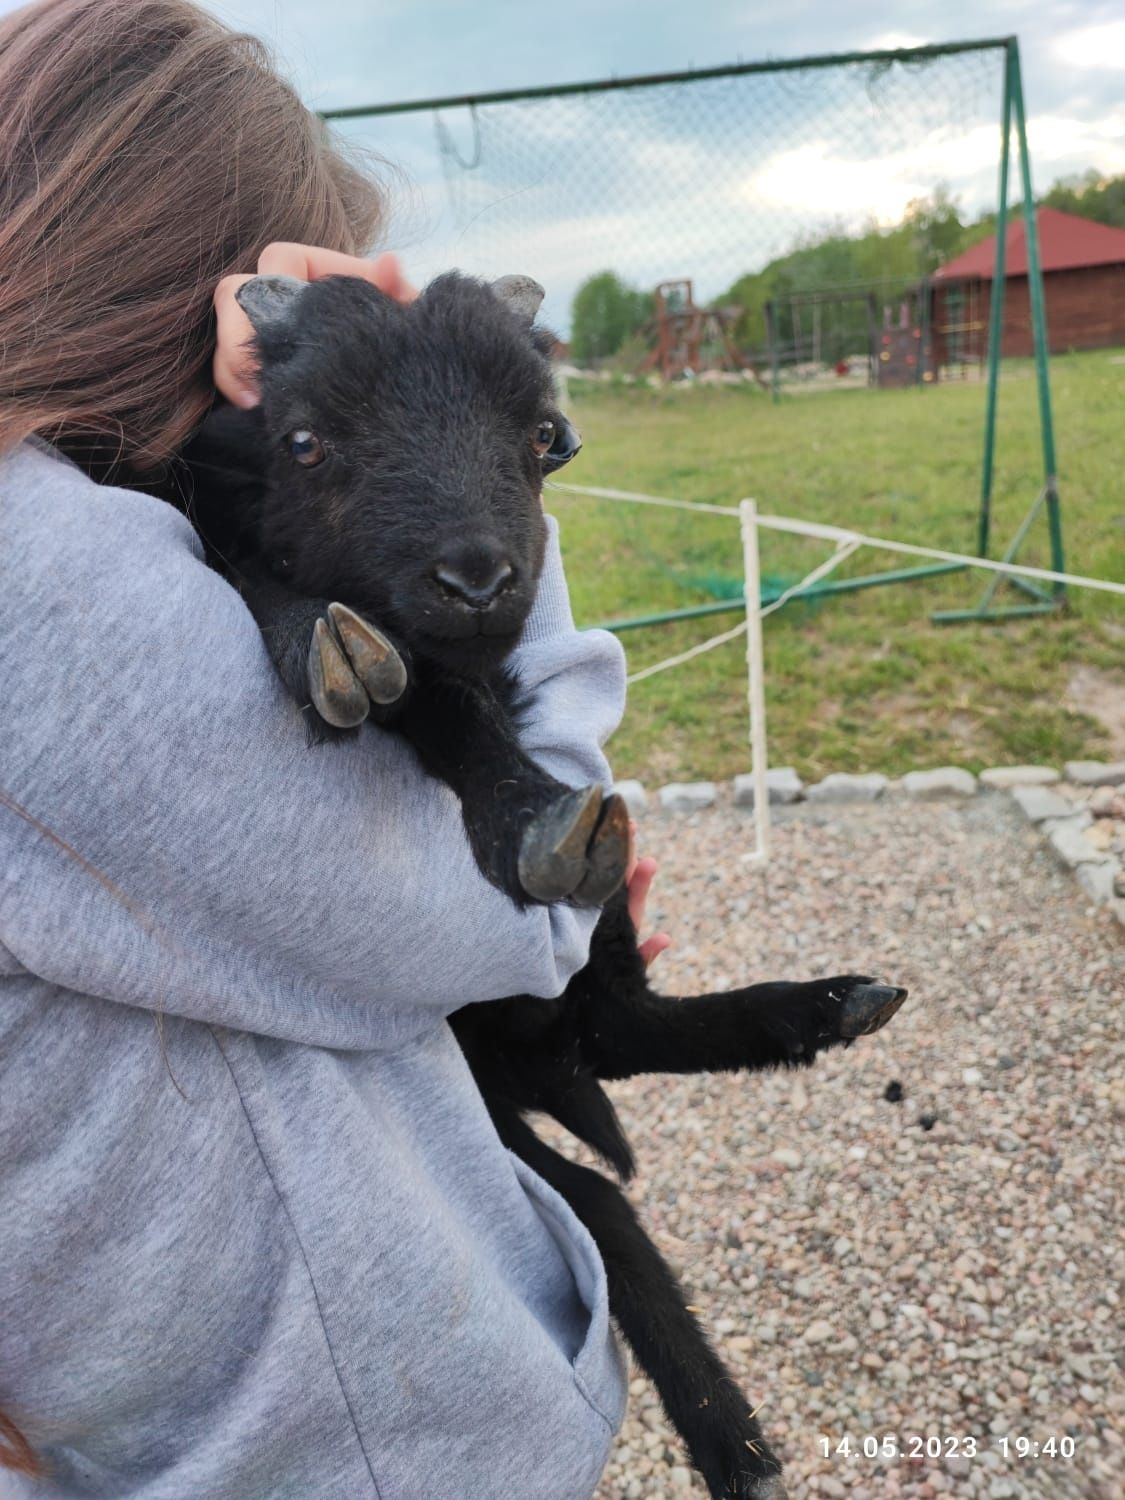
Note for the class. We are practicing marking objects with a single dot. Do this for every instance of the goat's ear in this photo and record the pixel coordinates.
(269, 301)
(567, 445)
(521, 295)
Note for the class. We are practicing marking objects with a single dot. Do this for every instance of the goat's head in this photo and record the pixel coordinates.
(405, 446)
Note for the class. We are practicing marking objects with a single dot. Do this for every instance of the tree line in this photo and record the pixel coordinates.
(607, 313)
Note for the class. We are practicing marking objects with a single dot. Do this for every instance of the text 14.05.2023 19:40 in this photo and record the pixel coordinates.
(915, 1446)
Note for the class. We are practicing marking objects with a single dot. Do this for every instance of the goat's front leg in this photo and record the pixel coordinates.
(333, 661)
(698, 1392)
(627, 1028)
(533, 837)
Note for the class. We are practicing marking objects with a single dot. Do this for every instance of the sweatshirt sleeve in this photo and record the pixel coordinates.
(168, 838)
(573, 682)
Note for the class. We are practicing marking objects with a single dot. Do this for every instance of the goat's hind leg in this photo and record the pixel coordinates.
(627, 1028)
(699, 1394)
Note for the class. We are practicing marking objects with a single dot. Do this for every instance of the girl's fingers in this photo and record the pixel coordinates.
(311, 262)
(639, 886)
(639, 880)
(233, 363)
(654, 946)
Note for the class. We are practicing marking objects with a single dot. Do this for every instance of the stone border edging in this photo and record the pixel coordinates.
(1070, 809)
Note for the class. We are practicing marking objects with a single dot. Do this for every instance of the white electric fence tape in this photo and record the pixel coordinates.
(845, 549)
(841, 534)
(847, 542)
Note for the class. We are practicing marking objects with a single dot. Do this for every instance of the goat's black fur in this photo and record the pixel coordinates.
(424, 413)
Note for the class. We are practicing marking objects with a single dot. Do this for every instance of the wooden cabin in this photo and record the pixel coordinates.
(1083, 267)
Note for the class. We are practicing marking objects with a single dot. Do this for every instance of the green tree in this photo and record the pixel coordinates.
(891, 261)
(937, 229)
(1091, 195)
(604, 313)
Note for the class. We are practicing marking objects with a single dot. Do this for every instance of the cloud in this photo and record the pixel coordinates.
(889, 41)
(823, 178)
(1101, 47)
(1059, 144)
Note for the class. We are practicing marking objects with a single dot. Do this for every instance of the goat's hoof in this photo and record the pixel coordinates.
(374, 660)
(608, 855)
(868, 1007)
(577, 849)
(552, 858)
(351, 666)
(337, 694)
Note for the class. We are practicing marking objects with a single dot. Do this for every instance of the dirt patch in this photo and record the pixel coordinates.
(964, 727)
(1102, 696)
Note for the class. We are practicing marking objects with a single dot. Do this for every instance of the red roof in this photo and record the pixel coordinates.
(1066, 242)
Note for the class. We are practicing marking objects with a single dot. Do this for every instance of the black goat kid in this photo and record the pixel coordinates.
(381, 513)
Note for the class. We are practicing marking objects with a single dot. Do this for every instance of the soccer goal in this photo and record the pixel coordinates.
(795, 216)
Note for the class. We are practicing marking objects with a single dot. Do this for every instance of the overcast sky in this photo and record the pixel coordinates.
(659, 191)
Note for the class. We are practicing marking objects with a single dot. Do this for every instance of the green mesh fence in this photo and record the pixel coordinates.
(806, 173)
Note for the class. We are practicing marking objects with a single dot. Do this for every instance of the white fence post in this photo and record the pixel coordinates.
(755, 686)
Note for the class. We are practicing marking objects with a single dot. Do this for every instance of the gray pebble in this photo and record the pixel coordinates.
(1037, 804)
(1001, 778)
(783, 785)
(840, 786)
(688, 796)
(1095, 772)
(944, 781)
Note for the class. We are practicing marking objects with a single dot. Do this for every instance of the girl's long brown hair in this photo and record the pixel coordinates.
(145, 152)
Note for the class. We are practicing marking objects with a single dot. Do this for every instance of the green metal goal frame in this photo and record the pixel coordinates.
(1043, 601)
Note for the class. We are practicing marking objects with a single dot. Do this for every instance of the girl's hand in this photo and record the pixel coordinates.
(638, 881)
(234, 376)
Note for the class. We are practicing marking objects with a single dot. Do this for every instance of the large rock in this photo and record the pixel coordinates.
(939, 784)
(1074, 850)
(687, 796)
(1037, 804)
(1002, 778)
(782, 785)
(1095, 772)
(1107, 802)
(634, 795)
(1078, 817)
(842, 787)
(1097, 880)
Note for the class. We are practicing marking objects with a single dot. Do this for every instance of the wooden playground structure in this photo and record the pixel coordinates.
(689, 340)
(894, 335)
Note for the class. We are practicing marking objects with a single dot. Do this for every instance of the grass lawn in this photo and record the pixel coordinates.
(863, 681)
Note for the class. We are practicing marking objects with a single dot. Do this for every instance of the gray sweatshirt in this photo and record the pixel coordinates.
(258, 1237)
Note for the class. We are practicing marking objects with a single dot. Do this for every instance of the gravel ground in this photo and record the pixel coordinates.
(863, 1276)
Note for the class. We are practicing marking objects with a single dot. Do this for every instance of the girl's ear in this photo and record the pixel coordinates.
(269, 302)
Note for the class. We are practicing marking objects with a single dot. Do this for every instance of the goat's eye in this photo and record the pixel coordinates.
(305, 448)
(542, 438)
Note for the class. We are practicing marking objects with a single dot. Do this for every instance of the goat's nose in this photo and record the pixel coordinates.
(478, 587)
